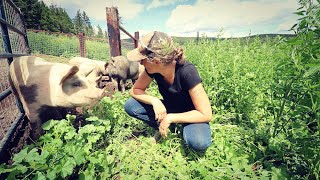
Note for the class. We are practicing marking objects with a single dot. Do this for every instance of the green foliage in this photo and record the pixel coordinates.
(100, 33)
(63, 150)
(37, 15)
(82, 23)
(265, 97)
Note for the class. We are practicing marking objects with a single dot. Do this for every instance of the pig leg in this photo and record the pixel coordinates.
(35, 123)
(123, 84)
(115, 83)
(120, 85)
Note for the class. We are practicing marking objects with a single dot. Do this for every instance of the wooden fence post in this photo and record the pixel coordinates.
(113, 31)
(82, 44)
(136, 39)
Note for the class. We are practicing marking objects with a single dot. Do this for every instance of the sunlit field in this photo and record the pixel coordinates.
(265, 98)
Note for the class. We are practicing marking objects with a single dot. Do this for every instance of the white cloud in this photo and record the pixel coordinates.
(230, 15)
(128, 8)
(286, 25)
(161, 3)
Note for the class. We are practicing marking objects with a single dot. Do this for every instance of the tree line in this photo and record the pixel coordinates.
(37, 15)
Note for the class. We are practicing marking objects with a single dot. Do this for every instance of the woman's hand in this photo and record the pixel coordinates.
(159, 109)
(164, 125)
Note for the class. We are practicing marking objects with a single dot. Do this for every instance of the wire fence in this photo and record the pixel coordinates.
(70, 45)
(8, 108)
(13, 43)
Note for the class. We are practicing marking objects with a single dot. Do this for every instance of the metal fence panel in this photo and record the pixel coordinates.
(13, 43)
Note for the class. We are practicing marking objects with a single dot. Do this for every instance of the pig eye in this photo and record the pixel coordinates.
(77, 84)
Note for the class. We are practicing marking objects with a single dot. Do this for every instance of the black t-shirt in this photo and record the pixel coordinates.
(176, 96)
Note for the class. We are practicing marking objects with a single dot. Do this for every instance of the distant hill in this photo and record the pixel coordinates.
(182, 40)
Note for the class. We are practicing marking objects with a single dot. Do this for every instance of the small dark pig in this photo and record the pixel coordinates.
(120, 69)
(43, 85)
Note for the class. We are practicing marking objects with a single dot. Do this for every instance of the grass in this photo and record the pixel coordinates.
(241, 78)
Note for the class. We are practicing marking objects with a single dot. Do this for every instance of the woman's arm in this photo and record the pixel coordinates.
(138, 92)
(202, 112)
(139, 87)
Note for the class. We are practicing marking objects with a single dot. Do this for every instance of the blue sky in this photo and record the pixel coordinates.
(227, 18)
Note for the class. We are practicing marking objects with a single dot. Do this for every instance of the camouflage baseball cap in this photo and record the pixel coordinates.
(153, 44)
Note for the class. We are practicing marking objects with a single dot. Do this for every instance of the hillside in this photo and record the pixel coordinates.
(182, 40)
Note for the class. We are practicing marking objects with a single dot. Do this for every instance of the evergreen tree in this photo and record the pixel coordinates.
(106, 35)
(100, 33)
(37, 15)
(88, 29)
(67, 25)
(46, 21)
(31, 12)
(62, 20)
(78, 23)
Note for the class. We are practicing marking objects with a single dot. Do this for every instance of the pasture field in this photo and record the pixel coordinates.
(266, 124)
(251, 139)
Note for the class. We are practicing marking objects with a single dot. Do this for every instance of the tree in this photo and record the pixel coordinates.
(31, 12)
(100, 33)
(88, 29)
(62, 19)
(78, 23)
(47, 21)
(106, 35)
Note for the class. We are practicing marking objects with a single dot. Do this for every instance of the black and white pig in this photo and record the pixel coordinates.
(42, 85)
(120, 69)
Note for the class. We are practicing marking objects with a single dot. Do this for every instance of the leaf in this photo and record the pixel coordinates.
(279, 174)
(44, 154)
(33, 155)
(40, 176)
(52, 174)
(20, 156)
(70, 135)
(67, 166)
(13, 174)
(311, 71)
(49, 124)
(301, 13)
(87, 129)
(78, 153)
(5, 169)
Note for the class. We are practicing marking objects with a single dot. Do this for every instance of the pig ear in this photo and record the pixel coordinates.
(73, 70)
(113, 59)
(106, 65)
(98, 78)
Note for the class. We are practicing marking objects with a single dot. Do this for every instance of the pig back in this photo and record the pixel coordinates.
(133, 70)
(118, 67)
(87, 65)
(27, 75)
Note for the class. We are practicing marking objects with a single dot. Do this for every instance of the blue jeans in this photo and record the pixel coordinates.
(196, 135)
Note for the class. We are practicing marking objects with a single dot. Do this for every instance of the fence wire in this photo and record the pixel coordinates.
(13, 43)
(67, 45)
(126, 46)
(8, 109)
